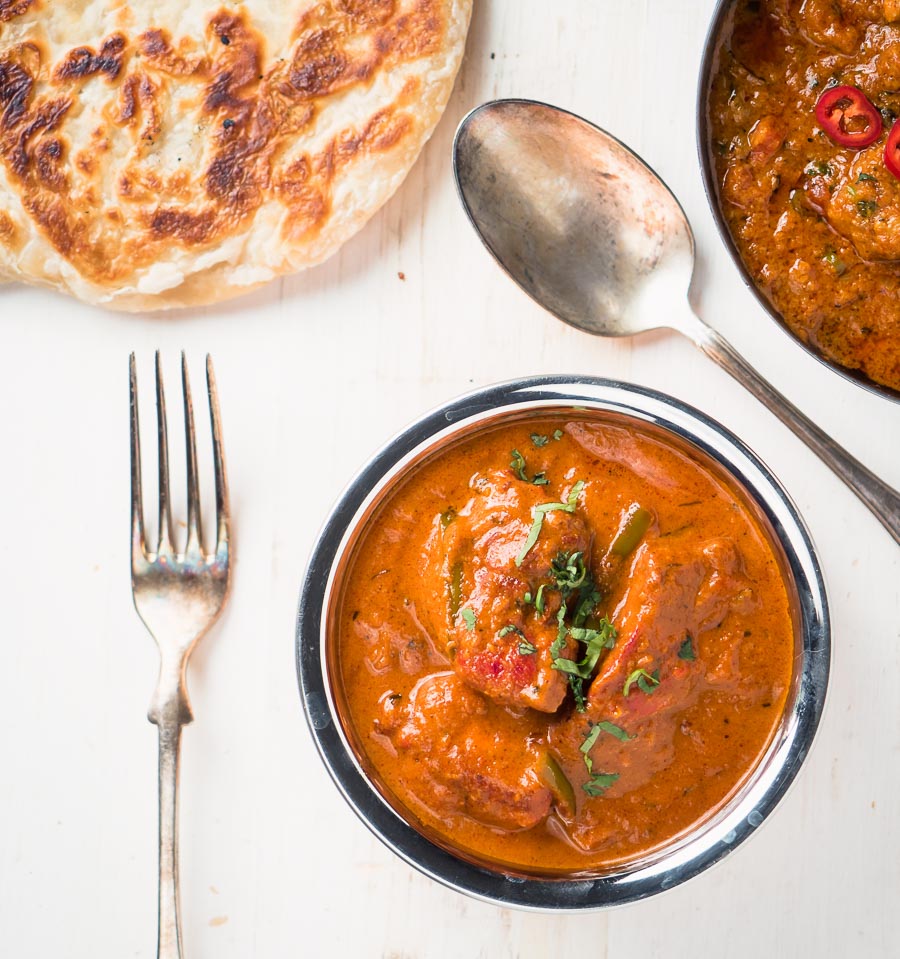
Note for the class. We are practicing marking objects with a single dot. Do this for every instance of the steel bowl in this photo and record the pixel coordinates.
(705, 844)
(721, 14)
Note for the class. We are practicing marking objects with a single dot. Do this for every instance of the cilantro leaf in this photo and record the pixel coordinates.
(599, 783)
(614, 730)
(589, 742)
(596, 641)
(532, 537)
(517, 465)
(569, 571)
(687, 649)
(469, 618)
(540, 511)
(539, 440)
(526, 648)
(559, 644)
(558, 435)
(647, 684)
(574, 494)
(866, 207)
(643, 680)
(576, 684)
(588, 598)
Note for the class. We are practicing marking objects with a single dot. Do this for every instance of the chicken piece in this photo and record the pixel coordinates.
(837, 24)
(499, 644)
(766, 139)
(666, 604)
(862, 204)
(471, 763)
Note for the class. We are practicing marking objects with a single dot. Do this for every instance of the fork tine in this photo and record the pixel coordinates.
(165, 541)
(193, 490)
(137, 507)
(223, 520)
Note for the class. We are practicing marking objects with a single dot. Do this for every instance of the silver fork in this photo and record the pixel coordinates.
(178, 595)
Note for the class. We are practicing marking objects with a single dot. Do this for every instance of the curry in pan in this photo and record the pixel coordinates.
(803, 118)
(561, 643)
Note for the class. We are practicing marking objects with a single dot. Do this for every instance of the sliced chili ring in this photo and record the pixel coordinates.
(848, 117)
(892, 150)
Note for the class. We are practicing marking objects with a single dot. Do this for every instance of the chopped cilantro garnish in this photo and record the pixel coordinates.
(589, 742)
(614, 730)
(511, 629)
(539, 599)
(576, 684)
(594, 734)
(818, 168)
(866, 176)
(559, 644)
(574, 494)
(866, 207)
(539, 440)
(834, 261)
(469, 618)
(687, 649)
(569, 571)
(596, 641)
(558, 435)
(517, 465)
(646, 682)
(526, 648)
(599, 783)
(532, 538)
(540, 511)
(588, 597)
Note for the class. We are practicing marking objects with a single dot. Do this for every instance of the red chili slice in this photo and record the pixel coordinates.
(847, 116)
(892, 150)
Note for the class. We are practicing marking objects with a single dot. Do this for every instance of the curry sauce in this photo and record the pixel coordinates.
(814, 215)
(561, 643)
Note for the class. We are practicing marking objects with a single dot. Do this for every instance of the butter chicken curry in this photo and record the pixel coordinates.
(560, 643)
(803, 117)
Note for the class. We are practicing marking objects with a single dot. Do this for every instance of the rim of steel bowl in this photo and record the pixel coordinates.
(706, 843)
(710, 185)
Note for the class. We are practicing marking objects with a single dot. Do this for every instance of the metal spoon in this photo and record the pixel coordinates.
(591, 233)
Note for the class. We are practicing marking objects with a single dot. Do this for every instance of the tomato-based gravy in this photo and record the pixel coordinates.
(561, 642)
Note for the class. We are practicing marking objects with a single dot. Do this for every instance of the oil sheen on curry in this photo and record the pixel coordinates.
(561, 643)
(803, 115)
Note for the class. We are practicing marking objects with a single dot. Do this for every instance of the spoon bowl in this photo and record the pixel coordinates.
(591, 233)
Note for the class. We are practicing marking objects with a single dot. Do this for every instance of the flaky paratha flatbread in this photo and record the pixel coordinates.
(176, 152)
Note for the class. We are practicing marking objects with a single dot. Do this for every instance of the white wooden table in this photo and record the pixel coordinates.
(315, 372)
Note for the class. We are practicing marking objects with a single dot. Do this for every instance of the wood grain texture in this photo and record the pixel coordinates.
(314, 375)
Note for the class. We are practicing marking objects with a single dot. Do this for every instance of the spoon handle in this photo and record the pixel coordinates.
(881, 499)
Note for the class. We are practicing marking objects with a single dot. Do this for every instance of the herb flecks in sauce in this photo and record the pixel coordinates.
(539, 512)
(646, 682)
(809, 202)
(517, 465)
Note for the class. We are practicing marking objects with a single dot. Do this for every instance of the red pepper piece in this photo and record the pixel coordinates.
(848, 117)
(892, 150)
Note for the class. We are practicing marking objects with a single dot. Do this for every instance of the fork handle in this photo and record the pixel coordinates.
(169, 943)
